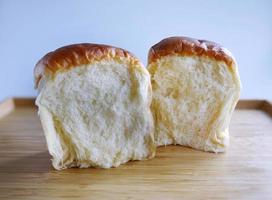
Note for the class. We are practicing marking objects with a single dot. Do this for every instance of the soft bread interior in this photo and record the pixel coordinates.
(193, 99)
(97, 115)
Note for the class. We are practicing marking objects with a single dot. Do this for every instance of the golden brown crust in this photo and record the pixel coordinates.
(75, 55)
(189, 46)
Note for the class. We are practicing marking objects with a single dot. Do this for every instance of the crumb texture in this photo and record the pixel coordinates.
(97, 115)
(193, 99)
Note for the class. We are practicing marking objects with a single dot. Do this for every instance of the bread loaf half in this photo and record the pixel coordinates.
(94, 104)
(195, 89)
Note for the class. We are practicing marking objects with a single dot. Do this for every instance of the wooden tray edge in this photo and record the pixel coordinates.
(6, 107)
(9, 105)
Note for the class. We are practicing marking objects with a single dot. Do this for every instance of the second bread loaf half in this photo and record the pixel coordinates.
(195, 89)
(94, 104)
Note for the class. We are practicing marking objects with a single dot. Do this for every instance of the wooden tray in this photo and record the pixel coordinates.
(244, 172)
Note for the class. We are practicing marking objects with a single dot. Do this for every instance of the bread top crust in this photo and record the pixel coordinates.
(75, 55)
(186, 46)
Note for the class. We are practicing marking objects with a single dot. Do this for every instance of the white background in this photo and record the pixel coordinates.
(30, 29)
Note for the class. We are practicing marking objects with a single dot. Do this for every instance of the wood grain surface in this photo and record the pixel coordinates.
(243, 172)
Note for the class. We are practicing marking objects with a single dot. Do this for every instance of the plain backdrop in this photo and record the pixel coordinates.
(30, 29)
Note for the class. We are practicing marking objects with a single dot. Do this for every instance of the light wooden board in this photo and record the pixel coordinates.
(244, 172)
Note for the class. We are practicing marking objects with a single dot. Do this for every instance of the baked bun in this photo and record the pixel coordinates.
(94, 104)
(195, 89)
